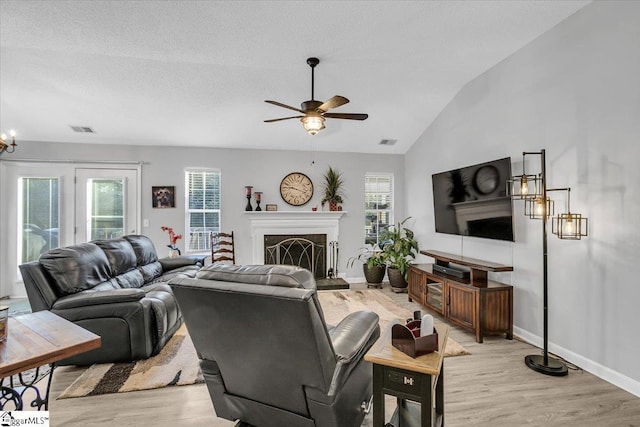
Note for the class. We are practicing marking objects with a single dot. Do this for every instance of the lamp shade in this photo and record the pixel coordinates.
(570, 226)
(313, 123)
(524, 186)
(534, 208)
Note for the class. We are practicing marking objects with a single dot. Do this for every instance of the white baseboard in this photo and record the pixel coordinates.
(595, 368)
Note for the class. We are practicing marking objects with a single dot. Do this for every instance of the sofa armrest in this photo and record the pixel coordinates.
(169, 264)
(89, 298)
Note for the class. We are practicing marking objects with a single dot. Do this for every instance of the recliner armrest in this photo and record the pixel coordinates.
(88, 298)
(169, 264)
(352, 334)
(351, 339)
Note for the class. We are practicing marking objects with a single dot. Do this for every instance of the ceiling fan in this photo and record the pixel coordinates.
(314, 112)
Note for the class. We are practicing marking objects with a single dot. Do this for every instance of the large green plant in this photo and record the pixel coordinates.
(332, 186)
(399, 247)
(371, 255)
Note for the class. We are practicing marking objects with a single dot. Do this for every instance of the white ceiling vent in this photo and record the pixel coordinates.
(388, 142)
(82, 129)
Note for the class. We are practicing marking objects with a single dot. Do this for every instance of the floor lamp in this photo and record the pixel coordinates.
(570, 226)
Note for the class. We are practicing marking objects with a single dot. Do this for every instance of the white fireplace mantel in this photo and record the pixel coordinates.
(291, 223)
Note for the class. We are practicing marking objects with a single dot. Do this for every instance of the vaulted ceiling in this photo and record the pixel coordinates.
(196, 73)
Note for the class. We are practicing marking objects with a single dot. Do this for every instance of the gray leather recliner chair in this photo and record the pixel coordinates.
(268, 358)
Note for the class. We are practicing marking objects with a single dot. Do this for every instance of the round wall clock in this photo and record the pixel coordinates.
(296, 189)
(486, 179)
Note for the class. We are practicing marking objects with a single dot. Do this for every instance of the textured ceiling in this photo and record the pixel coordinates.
(196, 73)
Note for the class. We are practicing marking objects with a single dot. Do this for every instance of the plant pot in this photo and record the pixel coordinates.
(374, 275)
(396, 280)
(333, 206)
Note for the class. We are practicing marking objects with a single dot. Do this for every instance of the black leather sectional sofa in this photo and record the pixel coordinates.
(114, 288)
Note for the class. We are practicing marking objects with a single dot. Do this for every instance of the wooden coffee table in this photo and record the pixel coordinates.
(38, 339)
(411, 380)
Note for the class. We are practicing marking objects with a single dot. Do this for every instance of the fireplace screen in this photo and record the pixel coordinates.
(308, 251)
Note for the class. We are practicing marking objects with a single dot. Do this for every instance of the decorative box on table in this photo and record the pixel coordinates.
(407, 339)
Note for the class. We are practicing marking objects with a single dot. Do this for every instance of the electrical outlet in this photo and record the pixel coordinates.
(145, 222)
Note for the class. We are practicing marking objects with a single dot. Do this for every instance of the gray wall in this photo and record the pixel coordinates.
(264, 169)
(574, 91)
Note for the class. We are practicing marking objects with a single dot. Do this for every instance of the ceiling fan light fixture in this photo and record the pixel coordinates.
(313, 124)
(314, 111)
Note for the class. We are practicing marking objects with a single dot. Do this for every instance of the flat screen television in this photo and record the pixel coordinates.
(473, 201)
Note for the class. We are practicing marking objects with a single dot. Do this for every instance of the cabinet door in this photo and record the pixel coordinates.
(433, 294)
(461, 305)
(416, 285)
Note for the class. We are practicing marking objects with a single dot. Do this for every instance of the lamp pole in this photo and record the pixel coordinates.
(542, 363)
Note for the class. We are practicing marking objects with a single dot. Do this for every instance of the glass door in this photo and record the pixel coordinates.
(107, 203)
(50, 204)
(33, 217)
(38, 217)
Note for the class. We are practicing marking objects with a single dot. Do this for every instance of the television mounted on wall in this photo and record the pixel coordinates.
(472, 201)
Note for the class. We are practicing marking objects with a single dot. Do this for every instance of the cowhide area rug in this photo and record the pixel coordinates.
(177, 363)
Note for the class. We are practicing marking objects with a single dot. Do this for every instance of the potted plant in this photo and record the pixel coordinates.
(174, 251)
(373, 264)
(332, 189)
(399, 248)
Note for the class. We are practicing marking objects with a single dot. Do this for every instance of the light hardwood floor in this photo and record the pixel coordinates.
(490, 387)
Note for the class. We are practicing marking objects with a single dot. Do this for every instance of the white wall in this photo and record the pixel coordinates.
(264, 169)
(574, 91)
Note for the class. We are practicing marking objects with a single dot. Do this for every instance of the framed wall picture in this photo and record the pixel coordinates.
(271, 207)
(163, 196)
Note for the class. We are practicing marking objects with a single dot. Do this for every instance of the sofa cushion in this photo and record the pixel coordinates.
(186, 271)
(109, 285)
(76, 268)
(120, 254)
(143, 248)
(269, 275)
(130, 279)
(150, 271)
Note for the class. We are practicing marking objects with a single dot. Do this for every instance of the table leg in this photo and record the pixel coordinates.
(378, 396)
(440, 394)
(426, 401)
(10, 393)
(7, 395)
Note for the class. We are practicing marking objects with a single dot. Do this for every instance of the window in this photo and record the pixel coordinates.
(378, 205)
(105, 208)
(38, 201)
(202, 208)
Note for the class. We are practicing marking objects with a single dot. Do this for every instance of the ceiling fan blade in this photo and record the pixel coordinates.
(333, 102)
(283, 118)
(348, 116)
(279, 104)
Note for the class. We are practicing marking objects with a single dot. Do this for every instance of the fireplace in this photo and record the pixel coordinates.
(295, 224)
(308, 251)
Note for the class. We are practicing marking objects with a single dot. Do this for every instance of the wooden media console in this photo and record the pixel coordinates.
(471, 301)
